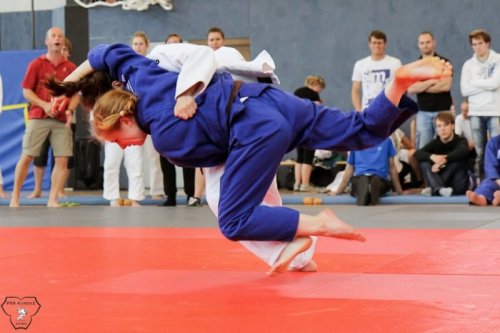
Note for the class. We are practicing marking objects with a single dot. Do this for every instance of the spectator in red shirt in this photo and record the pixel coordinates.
(44, 123)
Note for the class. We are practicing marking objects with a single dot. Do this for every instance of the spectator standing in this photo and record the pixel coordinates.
(43, 122)
(132, 157)
(433, 96)
(480, 84)
(215, 40)
(140, 44)
(313, 86)
(173, 39)
(40, 162)
(168, 169)
(371, 74)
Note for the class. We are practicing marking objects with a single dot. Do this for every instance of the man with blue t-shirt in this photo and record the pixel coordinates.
(371, 171)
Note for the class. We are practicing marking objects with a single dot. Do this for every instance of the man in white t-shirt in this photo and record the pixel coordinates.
(371, 74)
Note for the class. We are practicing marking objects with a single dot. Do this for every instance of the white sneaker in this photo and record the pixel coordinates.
(305, 188)
(426, 191)
(194, 202)
(296, 187)
(445, 191)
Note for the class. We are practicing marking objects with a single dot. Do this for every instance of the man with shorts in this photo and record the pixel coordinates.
(44, 123)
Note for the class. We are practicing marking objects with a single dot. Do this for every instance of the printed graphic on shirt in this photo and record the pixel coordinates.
(485, 72)
(374, 82)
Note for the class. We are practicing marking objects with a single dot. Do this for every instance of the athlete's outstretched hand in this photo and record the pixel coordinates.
(185, 107)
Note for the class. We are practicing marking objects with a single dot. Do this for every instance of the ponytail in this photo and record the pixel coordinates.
(110, 107)
(91, 86)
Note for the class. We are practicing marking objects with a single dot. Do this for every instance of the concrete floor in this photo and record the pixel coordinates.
(383, 216)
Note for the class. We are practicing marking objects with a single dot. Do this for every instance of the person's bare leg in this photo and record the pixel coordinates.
(58, 178)
(496, 198)
(297, 169)
(423, 69)
(60, 192)
(476, 199)
(134, 203)
(3, 194)
(306, 174)
(327, 224)
(199, 183)
(291, 250)
(37, 191)
(22, 169)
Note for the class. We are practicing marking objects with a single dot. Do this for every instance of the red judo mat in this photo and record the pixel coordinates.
(193, 280)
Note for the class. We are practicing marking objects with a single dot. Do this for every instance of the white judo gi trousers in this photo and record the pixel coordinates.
(268, 251)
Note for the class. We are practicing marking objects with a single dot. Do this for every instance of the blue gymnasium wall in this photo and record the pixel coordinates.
(13, 65)
(305, 37)
(322, 37)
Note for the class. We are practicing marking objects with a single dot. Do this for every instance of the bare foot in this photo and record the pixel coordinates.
(496, 198)
(423, 69)
(337, 228)
(61, 195)
(4, 194)
(35, 194)
(291, 250)
(53, 204)
(134, 203)
(309, 268)
(115, 203)
(476, 199)
(14, 203)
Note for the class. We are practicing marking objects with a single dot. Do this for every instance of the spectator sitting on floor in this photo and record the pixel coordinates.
(327, 165)
(371, 170)
(463, 127)
(443, 161)
(488, 190)
(406, 164)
